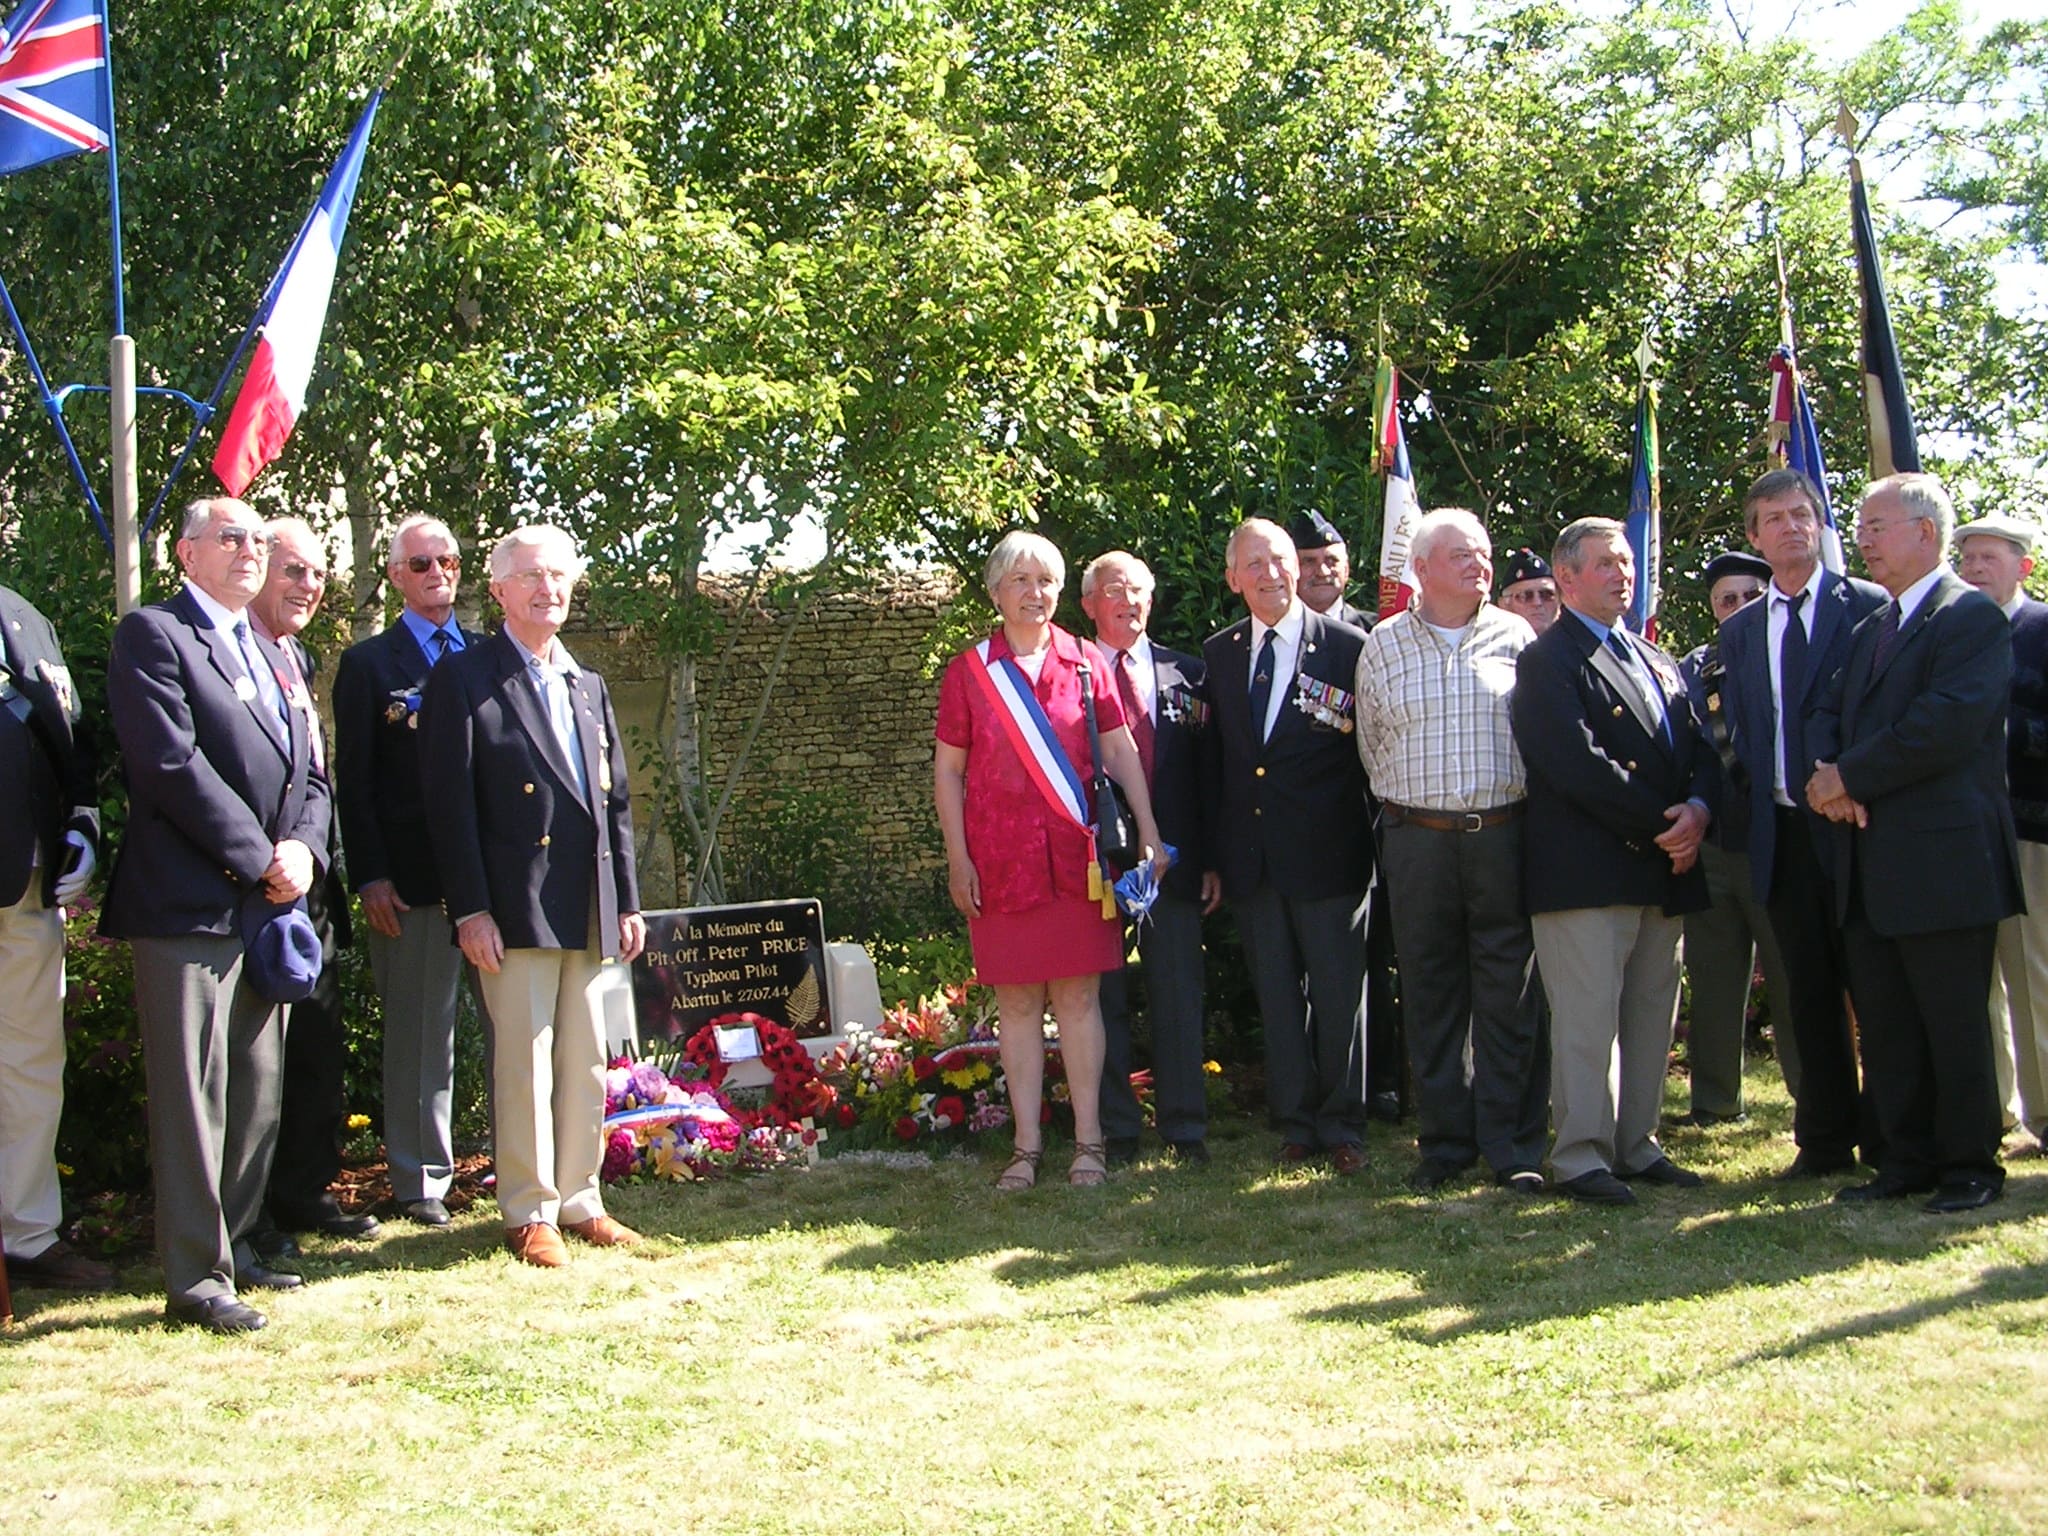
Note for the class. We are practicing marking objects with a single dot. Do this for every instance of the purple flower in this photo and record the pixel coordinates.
(650, 1083)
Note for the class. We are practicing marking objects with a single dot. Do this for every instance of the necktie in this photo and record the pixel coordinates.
(261, 677)
(1134, 710)
(1791, 693)
(554, 693)
(1262, 688)
(1644, 690)
(1887, 632)
(443, 644)
(298, 680)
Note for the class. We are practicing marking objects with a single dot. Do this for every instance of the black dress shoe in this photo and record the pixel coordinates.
(1385, 1105)
(1963, 1195)
(1706, 1119)
(1886, 1186)
(216, 1314)
(1597, 1188)
(256, 1277)
(271, 1245)
(1195, 1152)
(1120, 1151)
(341, 1224)
(1665, 1172)
(428, 1212)
(1433, 1173)
(1816, 1165)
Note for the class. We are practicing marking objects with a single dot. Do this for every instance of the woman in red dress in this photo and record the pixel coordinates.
(1016, 866)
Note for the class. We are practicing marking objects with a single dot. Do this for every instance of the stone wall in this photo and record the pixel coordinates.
(852, 709)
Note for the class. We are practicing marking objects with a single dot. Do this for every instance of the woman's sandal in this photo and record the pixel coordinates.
(1021, 1172)
(1090, 1165)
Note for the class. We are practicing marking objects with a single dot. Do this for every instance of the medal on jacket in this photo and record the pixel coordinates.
(1323, 702)
(245, 690)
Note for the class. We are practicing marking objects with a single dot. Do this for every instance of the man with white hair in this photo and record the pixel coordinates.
(533, 831)
(384, 831)
(1434, 733)
(1909, 749)
(1994, 555)
(314, 1101)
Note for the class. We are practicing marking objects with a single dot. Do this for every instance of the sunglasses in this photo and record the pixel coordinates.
(419, 565)
(233, 536)
(298, 570)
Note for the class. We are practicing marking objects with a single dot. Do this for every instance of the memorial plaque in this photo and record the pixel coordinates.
(767, 957)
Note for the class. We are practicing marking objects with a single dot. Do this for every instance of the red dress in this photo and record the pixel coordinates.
(1037, 922)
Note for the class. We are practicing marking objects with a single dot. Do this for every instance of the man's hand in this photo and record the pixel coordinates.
(71, 884)
(1212, 891)
(481, 944)
(1830, 797)
(632, 936)
(1682, 838)
(290, 874)
(382, 907)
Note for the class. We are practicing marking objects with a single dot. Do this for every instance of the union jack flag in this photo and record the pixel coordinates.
(56, 89)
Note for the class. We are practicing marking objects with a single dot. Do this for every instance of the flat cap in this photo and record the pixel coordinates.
(2014, 530)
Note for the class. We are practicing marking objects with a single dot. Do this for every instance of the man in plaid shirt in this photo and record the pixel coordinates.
(1433, 688)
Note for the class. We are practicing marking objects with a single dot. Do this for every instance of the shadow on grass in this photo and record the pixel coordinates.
(1994, 1287)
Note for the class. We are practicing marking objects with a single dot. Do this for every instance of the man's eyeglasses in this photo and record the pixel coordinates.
(419, 565)
(298, 570)
(234, 536)
(540, 574)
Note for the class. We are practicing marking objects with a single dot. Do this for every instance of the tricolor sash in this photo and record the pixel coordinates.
(1031, 736)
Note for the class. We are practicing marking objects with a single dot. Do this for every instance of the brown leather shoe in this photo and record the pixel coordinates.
(62, 1267)
(603, 1232)
(538, 1243)
(1347, 1159)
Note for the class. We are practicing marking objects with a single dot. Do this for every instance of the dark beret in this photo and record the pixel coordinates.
(1524, 565)
(1734, 562)
(1312, 530)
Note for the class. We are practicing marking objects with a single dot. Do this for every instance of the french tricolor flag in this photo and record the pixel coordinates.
(293, 314)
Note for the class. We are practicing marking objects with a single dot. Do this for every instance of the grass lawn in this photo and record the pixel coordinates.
(878, 1348)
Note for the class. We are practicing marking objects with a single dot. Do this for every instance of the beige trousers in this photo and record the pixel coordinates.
(2019, 1001)
(547, 1076)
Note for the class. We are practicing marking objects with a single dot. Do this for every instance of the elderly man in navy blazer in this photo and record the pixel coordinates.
(1161, 691)
(1778, 655)
(225, 811)
(1620, 786)
(1909, 744)
(533, 832)
(385, 831)
(1994, 555)
(1286, 836)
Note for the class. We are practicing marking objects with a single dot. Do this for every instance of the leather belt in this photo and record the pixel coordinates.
(1451, 821)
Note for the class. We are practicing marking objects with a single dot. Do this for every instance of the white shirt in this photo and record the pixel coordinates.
(1774, 649)
(1286, 660)
(225, 620)
(1910, 599)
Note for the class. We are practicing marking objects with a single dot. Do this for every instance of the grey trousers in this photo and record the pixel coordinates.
(1612, 975)
(1476, 1049)
(1722, 947)
(1315, 1037)
(418, 975)
(211, 1055)
(1170, 947)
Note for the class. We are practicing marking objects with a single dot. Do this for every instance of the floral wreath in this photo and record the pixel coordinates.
(796, 1093)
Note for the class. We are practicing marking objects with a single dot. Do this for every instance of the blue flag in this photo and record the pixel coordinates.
(1645, 514)
(56, 89)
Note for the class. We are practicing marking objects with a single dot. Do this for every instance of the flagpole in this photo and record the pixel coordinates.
(125, 491)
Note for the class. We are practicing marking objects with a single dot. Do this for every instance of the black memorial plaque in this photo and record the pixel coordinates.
(767, 957)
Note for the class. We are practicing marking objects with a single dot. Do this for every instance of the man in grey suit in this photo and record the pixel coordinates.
(1909, 746)
(384, 831)
(224, 810)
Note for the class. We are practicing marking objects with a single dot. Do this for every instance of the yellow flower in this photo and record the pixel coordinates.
(66, 1169)
(359, 1122)
(964, 1077)
(1213, 1068)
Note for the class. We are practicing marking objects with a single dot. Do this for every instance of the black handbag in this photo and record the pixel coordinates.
(1116, 834)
